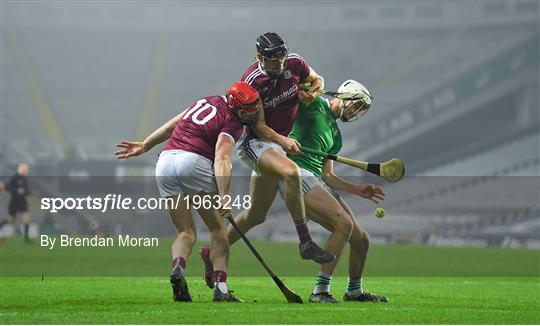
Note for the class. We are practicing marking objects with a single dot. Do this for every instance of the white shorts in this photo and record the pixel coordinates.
(250, 151)
(309, 181)
(181, 172)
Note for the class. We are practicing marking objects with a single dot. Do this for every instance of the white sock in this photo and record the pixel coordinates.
(354, 286)
(323, 283)
(222, 286)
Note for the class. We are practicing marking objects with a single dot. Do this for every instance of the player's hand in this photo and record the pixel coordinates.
(225, 213)
(371, 192)
(307, 92)
(130, 148)
(291, 146)
(306, 97)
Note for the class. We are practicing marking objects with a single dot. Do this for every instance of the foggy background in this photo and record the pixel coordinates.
(455, 85)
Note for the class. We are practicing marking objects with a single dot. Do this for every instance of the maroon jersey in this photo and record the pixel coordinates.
(279, 95)
(201, 125)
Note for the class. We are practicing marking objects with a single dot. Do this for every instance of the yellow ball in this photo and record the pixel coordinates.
(379, 212)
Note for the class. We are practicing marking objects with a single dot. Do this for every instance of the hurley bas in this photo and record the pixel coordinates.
(95, 241)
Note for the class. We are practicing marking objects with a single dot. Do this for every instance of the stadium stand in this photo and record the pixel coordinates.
(85, 79)
(517, 157)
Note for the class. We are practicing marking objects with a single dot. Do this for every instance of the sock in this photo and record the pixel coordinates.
(179, 261)
(302, 230)
(220, 281)
(354, 286)
(26, 226)
(323, 283)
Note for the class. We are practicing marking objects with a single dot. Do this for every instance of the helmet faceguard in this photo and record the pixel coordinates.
(273, 53)
(243, 100)
(273, 67)
(352, 110)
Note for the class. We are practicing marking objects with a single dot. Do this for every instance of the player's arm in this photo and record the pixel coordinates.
(316, 80)
(369, 191)
(223, 168)
(316, 83)
(162, 133)
(263, 131)
(136, 148)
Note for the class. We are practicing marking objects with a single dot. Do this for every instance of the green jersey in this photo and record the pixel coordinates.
(315, 127)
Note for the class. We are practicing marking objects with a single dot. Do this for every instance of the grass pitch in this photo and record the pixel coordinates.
(500, 293)
(134, 300)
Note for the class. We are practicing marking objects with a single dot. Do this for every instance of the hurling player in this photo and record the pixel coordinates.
(277, 75)
(316, 128)
(196, 160)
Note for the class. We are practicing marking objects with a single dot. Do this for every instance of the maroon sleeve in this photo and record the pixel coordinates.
(233, 128)
(301, 66)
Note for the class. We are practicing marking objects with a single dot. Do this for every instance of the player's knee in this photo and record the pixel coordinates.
(363, 240)
(219, 235)
(359, 240)
(257, 218)
(344, 224)
(188, 236)
(291, 174)
(255, 215)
